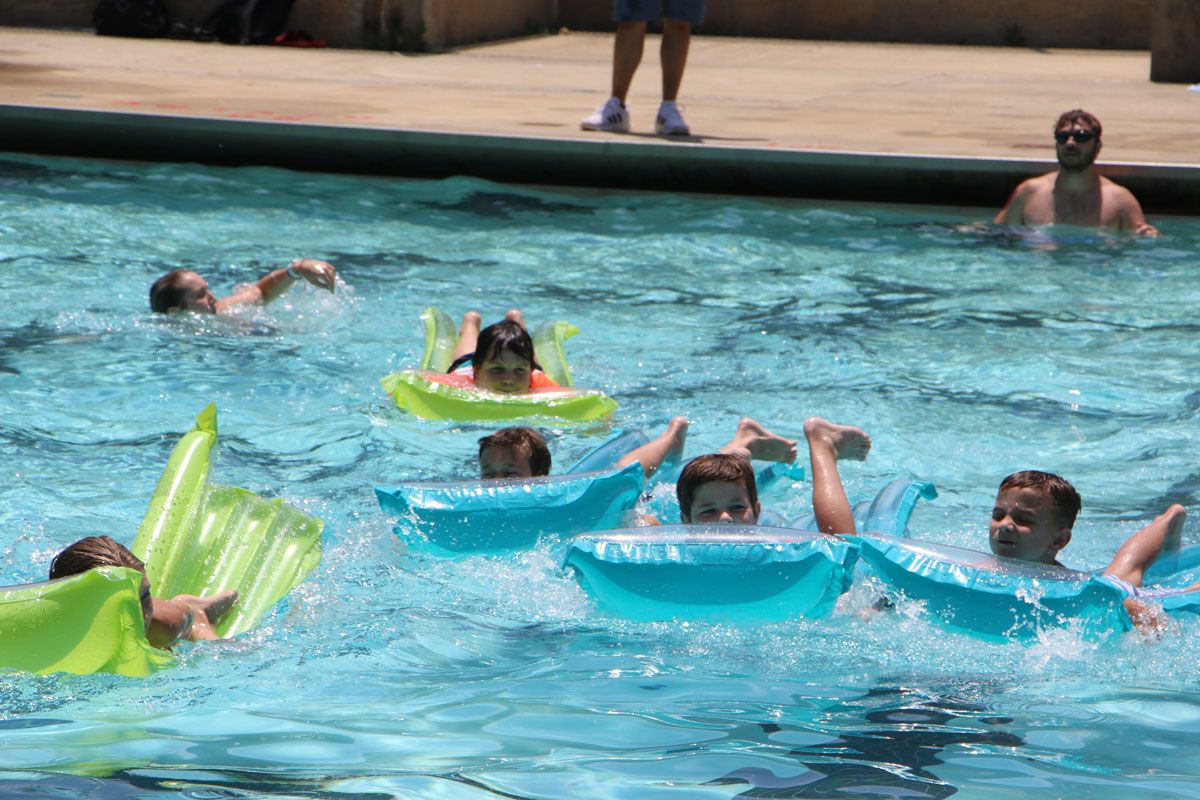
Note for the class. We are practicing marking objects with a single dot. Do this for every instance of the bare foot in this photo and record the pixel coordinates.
(847, 441)
(676, 433)
(515, 315)
(755, 441)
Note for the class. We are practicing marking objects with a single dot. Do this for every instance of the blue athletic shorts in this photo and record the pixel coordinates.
(652, 10)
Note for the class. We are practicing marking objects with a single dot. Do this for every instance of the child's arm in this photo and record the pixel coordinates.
(319, 273)
(169, 623)
(1140, 550)
(187, 616)
(827, 443)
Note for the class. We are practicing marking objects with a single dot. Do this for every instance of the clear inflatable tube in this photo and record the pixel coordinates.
(993, 597)
(726, 573)
(496, 516)
(729, 572)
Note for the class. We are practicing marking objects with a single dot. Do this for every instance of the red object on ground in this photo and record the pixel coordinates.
(297, 39)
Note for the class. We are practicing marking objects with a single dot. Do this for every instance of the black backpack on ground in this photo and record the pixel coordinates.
(245, 21)
(145, 19)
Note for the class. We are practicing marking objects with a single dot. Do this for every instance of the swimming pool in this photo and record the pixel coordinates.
(966, 355)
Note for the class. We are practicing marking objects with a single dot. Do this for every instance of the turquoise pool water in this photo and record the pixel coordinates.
(966, 355)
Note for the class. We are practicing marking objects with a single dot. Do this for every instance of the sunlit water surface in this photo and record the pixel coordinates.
(966, 355)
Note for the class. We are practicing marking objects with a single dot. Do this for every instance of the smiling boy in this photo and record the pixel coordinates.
(1032, 520)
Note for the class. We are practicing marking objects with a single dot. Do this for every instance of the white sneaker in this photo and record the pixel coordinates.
(670, 122)
(612, 116)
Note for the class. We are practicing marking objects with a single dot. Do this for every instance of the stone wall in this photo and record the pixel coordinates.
(439, 24)
(376, 24)
(1122, 24)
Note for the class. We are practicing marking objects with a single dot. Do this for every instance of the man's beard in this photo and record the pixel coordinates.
(1079, 164)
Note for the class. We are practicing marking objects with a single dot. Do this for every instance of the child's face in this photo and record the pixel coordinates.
(722, 502)
(1025, 525)
(504, 372)
(504, 462)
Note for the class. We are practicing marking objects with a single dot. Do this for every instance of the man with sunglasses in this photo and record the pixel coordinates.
(1075, 194)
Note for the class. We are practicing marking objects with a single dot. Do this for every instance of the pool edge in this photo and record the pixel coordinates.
(646, 163)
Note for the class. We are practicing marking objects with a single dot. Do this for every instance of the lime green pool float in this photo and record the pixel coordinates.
(196, 538)
(431, 393)
(91, 622)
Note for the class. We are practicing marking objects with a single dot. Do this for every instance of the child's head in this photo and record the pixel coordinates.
(1033, 516)
(718, 487)
(513, 453)
(101, 551)
(503, 360)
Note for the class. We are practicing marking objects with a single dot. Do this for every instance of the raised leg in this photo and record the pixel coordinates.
(468, 334)
(653, 454)
(1140, 550)
(752, 441)
(827, 444)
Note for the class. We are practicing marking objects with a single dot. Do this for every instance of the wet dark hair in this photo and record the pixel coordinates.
(1064, 500)
(709, 468)
(168, 292)
(1076, 116)
(524, 439)
(504, 335)
(92, 552)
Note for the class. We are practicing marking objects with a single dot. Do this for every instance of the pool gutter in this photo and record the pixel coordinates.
(635, 163)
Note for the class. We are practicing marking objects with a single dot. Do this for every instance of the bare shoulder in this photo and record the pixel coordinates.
(1116, 192)
(1040, 183)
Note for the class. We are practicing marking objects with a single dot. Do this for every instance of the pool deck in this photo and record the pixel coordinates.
(955, 125)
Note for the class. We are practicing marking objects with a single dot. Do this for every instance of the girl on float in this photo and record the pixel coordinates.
(500, 357)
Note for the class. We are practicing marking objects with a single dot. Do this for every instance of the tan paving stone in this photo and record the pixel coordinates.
(908, 99)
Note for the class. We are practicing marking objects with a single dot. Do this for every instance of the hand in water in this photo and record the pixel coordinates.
(319, 273)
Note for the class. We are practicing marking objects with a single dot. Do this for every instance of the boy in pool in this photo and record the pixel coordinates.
(500, 357)
(522, 452)
(183, 290)
(720, 487)
(1032, 518)
(166, 621)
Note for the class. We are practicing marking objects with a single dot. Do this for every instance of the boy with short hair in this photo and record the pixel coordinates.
(1032, 519)
(166, 621)
(513, 453)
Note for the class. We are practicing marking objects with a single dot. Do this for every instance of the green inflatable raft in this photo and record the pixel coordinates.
(196, 538)
(430, 394)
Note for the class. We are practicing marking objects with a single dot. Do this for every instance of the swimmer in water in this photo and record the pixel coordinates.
(1075, 194)
(183, 290)
(183, 616)
(1032, 518)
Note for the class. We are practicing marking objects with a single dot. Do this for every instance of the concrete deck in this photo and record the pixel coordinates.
(959, 124)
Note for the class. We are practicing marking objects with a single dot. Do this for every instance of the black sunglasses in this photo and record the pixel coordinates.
(1078, 134)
